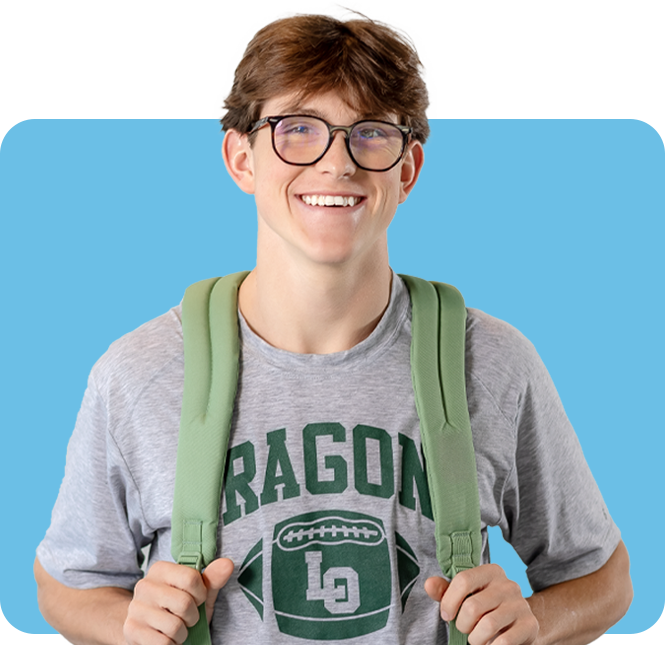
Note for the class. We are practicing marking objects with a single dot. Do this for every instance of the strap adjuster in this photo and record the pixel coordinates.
(192, 543)
(193, 560)
(462, 548)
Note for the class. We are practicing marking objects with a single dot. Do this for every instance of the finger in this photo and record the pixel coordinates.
(142, 634)
(490, 625)
(217, 573)
(506, 625)
(150, 625)
(215, 576)
(465, 584)
(166, 624)
(482, 603)
(180, 577)
(435, 587)
(163, 597)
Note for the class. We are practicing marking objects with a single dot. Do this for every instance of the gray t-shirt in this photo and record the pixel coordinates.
(325, 508)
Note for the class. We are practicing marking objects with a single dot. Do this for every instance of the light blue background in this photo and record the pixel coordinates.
(554, 226)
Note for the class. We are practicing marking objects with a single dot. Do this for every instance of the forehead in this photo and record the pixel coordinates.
(331, 106)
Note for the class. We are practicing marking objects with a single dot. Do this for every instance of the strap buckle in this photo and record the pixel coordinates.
(192, 559)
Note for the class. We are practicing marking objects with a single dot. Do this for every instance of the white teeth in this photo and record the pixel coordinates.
(330, 200)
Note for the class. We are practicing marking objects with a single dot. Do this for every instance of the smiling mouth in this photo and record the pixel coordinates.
(331, 200)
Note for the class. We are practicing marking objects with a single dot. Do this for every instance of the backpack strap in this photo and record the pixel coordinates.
(210, 331)
(437, 368)
(210, 336)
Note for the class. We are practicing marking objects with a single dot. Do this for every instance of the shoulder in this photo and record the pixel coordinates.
(497, 354)
(137, 358)
(501, 365)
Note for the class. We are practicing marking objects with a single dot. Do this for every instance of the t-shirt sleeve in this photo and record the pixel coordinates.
(560, 525)
(92, 541)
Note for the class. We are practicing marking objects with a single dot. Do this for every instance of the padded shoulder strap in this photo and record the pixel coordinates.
(210, 336)
(211, 372)
(437, 368)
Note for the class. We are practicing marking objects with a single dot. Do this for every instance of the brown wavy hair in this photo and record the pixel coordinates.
(372, 67)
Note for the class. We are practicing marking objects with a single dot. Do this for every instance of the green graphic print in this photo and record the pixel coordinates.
(331, 575)
(334, 574)
(250, 577)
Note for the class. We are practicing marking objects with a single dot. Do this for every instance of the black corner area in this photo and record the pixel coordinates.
(30, 91)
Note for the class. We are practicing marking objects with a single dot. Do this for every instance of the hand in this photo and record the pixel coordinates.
(166, 601)
(489, 607)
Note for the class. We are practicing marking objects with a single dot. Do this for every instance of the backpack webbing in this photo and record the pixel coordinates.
(210, 330)
(438, 328)
(210, 338)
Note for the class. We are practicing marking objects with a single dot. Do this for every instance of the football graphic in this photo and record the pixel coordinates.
(331, 576)
(250, 577)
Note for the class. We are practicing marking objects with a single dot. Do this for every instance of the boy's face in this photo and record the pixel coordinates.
(321, 234)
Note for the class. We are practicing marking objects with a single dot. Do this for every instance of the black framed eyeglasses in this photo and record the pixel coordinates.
(302, 140)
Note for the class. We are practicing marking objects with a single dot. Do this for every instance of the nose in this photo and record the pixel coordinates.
(337, 161)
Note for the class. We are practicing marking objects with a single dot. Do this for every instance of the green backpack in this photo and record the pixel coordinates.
(210, 330)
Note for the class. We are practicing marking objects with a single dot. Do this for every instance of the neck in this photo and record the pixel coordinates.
(316, 308)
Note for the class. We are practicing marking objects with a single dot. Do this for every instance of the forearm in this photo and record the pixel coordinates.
(578, 611)
(83, 617)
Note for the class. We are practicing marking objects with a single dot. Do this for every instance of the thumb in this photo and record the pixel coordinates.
(215, 576)
(435, 587)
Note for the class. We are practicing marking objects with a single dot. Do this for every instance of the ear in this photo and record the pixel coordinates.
(238, 160)
(410, 169)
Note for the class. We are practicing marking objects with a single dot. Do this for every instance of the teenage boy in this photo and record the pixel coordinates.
(325, 126)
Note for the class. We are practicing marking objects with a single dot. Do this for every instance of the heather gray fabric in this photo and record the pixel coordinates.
(324, 512)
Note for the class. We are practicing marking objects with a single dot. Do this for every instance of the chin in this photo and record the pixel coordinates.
(324, 249)
(330, 259)
(328, 255)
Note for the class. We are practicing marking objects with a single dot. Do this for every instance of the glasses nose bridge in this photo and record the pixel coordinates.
(346, 129)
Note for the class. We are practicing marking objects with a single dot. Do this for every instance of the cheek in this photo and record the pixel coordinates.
(390, 194)
(271, 188)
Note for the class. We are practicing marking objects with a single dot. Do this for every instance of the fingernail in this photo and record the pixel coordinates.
(445, 616)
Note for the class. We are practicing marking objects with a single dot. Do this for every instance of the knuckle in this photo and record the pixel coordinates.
(490, 625)
(192, 615)
(189, 575)
(158, 569)
(181, 635)
(163, 639)
(476, 637)
(183, 604)
(171, 625)
(462, 582)
(138, 587)
(508, 590)
(464, 629)
(472, 607)
(144, 589)
(128, 630)
(534, 625)
(503, 639)
(519, 610)
(137, 633)
(496, 569)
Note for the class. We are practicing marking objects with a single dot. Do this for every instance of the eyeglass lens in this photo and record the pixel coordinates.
(302, 140)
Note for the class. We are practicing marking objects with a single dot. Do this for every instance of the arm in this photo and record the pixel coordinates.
(489, 606)
(159, 611)
(579, 611)
(82, 616)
